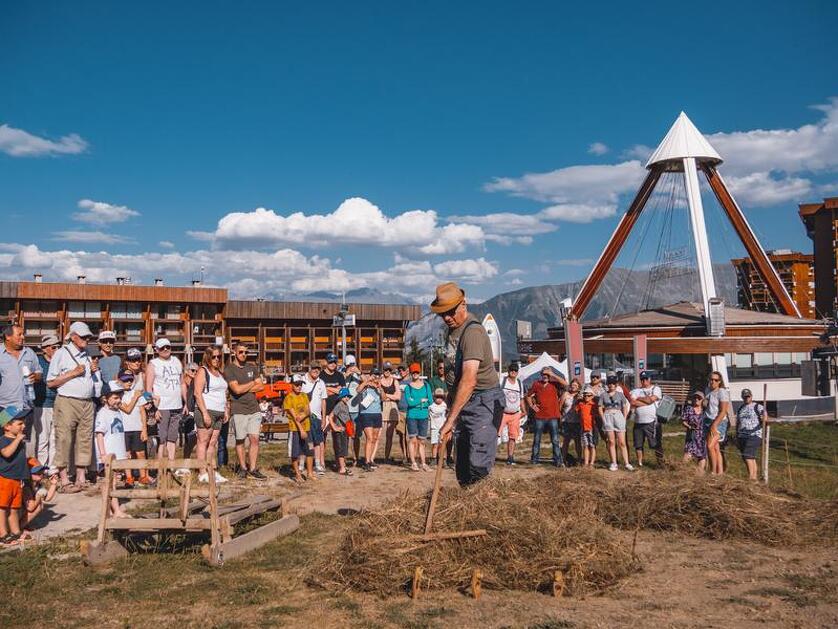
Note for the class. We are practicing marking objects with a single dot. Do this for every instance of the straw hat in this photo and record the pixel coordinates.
(448, 296)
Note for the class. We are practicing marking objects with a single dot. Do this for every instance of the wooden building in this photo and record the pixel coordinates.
(283, 336)
(796, 271)
(821, 221)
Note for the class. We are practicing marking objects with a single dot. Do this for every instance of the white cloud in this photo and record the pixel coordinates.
(97, 212)
(90, 237)
(20, 143)
(468, 271)
(574, 184)
(577, 212)
(761, 189)
(356, 221)
(574, 262)
(166, 244)
(508, 223)
(598, 148)
(638, 151)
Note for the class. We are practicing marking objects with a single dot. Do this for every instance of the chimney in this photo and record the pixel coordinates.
(38, 278)
(120, 281)
(81, 278)
(158, 281)
(196, 283)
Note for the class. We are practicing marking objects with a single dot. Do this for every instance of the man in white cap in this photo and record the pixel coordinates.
(43, 434)
(71, 375)
(164, 378)
(109, 363)
(476, 400)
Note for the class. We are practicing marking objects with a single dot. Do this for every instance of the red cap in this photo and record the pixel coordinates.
(415, 368)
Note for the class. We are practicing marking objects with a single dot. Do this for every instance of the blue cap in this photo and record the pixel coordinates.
(645, 374)
(344, 392)
(11, 413)
(331, 358)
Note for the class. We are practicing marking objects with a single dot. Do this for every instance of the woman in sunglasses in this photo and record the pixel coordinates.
(715, 420)
(211, 410)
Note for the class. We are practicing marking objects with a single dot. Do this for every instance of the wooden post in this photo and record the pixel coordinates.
(184, 497)
(106, 499)
(788, 464)
(417, 582)
(429, 517)
(162, 482)
(558, 583)
(476, 582)
(213, 508)
(765, 444)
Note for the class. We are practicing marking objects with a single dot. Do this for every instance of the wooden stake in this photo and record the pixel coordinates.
(429, 517)
(788, 464)
(433, 537)
(476, 582)
(215, 526)
(765, 444)
(106, 499)
(558, 583)
(417, 582)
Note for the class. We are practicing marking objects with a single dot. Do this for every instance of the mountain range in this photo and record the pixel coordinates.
(622, 291)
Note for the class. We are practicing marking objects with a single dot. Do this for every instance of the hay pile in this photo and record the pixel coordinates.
(578, 522)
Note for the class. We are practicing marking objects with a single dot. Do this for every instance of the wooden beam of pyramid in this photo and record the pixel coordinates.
(612, 249)
(763, 265)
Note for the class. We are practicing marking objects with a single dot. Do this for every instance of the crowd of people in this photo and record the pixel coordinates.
(69, 407)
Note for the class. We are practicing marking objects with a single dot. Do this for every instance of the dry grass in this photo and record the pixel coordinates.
(578, 522)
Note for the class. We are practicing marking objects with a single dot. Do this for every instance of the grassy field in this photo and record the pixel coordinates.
(49, 585)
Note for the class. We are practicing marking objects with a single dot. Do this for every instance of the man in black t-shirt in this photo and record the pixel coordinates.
(334, 381)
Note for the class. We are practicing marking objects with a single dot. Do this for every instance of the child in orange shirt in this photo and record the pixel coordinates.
(588, 410)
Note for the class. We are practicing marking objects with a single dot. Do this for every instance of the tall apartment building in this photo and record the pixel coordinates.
(283, 337)
(796, 272)
(821, 220)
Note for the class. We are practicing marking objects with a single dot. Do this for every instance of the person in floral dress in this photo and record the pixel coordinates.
(695, 444)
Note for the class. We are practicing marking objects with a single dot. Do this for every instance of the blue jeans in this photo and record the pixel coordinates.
(222, 444)
(553, 426)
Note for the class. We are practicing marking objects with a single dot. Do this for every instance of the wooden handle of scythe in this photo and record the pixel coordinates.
(429, 517)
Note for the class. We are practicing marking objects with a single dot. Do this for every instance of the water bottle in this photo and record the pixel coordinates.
(30, 388)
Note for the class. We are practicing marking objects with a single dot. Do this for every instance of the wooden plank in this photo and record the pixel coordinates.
(155, 494)
(184, 498)
(106, 499)
(155, 464)
(238, 546)
(158, 524)
(433, 537)
(192, 507)
(242, 504)
(256, 509)
(125, 292)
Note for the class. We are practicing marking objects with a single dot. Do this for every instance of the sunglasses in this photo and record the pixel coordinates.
(133, 360)
(126, 379)
(241, 351)
(715, 379)
(451, 312)
(106, 342)
(165, 348)
(215, 356)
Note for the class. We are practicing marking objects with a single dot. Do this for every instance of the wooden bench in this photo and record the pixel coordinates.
(269, 429)
(678, 390)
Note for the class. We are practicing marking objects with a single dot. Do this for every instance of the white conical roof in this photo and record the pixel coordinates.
(684, 140)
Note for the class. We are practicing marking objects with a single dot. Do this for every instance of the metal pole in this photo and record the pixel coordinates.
(343, 340)
(766, 434)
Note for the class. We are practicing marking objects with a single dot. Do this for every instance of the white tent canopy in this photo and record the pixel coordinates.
(545, 360)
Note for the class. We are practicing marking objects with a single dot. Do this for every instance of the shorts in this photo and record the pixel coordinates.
(722, 428)
(589, 439)
(368, 420)
(300, 446)
(340, 443)
(435, 430)
(614, 421)
(11, 493)
(244, 425)
(749, 446)
(133, 441)
(401, 425)
(216, 419)
(316, 433)
(169, 425)
(571, 430)
(417, 428)
(647, 432)
(513, 422)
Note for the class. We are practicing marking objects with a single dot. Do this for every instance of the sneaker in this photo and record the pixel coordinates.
(613, 467)
(219, 478)
(629, 467)
(510, 462)
(256, 474)
(319, 471)
(414, 467)
(183, 471)
(373, 466)
(241, 473)
(203, 477)
(425, 468)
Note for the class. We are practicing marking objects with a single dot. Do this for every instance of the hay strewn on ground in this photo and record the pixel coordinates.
(579, 522)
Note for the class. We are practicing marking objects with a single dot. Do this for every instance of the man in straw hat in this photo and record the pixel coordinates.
(475, 398)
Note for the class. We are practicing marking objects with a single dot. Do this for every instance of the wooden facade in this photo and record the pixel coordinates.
(282, 336)
(796, 271)
(821, 221)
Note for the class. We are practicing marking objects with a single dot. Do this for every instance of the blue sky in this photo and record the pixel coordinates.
(464, 142)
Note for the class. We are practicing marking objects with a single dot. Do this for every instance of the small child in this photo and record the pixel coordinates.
(588, 411)
(132, 411)
(110, 434)
(13, 473)
(297, 409)
(35, 496)
(338, 420)
(437, 414)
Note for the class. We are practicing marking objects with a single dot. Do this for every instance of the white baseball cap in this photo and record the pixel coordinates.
(80, 328)
(107, 334)
(161, 343)
(350, 360)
